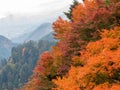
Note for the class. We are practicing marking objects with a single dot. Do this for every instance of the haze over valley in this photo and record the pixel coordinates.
(30, 22)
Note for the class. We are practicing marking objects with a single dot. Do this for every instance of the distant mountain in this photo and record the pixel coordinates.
(13, 26)
(49, 37)
(17, 25)
(5, 47)
(41, 31)
(21, 39)
(17, 71)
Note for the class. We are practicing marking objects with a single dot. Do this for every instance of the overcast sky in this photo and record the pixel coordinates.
(19, 16)
(27, 7)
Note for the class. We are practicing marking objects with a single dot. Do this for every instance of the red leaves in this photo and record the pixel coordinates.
(44, 64)
(43, 72)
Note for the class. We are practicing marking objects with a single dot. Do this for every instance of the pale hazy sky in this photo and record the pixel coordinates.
(30, 6)
(19, 16)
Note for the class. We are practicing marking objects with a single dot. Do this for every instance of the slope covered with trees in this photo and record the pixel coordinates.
(87, 54)
(17, 70)
(5, 47)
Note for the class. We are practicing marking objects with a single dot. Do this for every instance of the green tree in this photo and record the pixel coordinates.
(69, 13)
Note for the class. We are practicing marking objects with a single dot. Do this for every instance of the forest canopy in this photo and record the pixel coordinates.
(87, 55)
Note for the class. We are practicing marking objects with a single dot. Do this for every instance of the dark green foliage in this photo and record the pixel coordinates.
(3, 62)
(5, 47)
(69, 13)
(45, 45)
(18, 69)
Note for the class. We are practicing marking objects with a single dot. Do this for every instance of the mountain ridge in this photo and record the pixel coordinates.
(36, 34)
(5, 47)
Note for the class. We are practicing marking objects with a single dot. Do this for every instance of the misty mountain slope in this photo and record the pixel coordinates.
(41, 31)
(49, 37)
(5, 47)
(14, 25)
(36, 34)
(21, 39)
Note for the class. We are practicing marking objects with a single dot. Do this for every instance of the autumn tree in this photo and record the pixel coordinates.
(43, 73)
(85, 26)
(73, 54)
(69, 13)
(101, 67)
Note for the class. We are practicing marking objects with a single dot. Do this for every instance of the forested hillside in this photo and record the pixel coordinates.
(5, 47)
(87, 56)
(39, 32)
(16, 71)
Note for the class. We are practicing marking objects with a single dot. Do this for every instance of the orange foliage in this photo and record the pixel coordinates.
(43, 66)
(43, 72)
(101, 65)
(93, 64)
(61, 27)
(107, 86)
